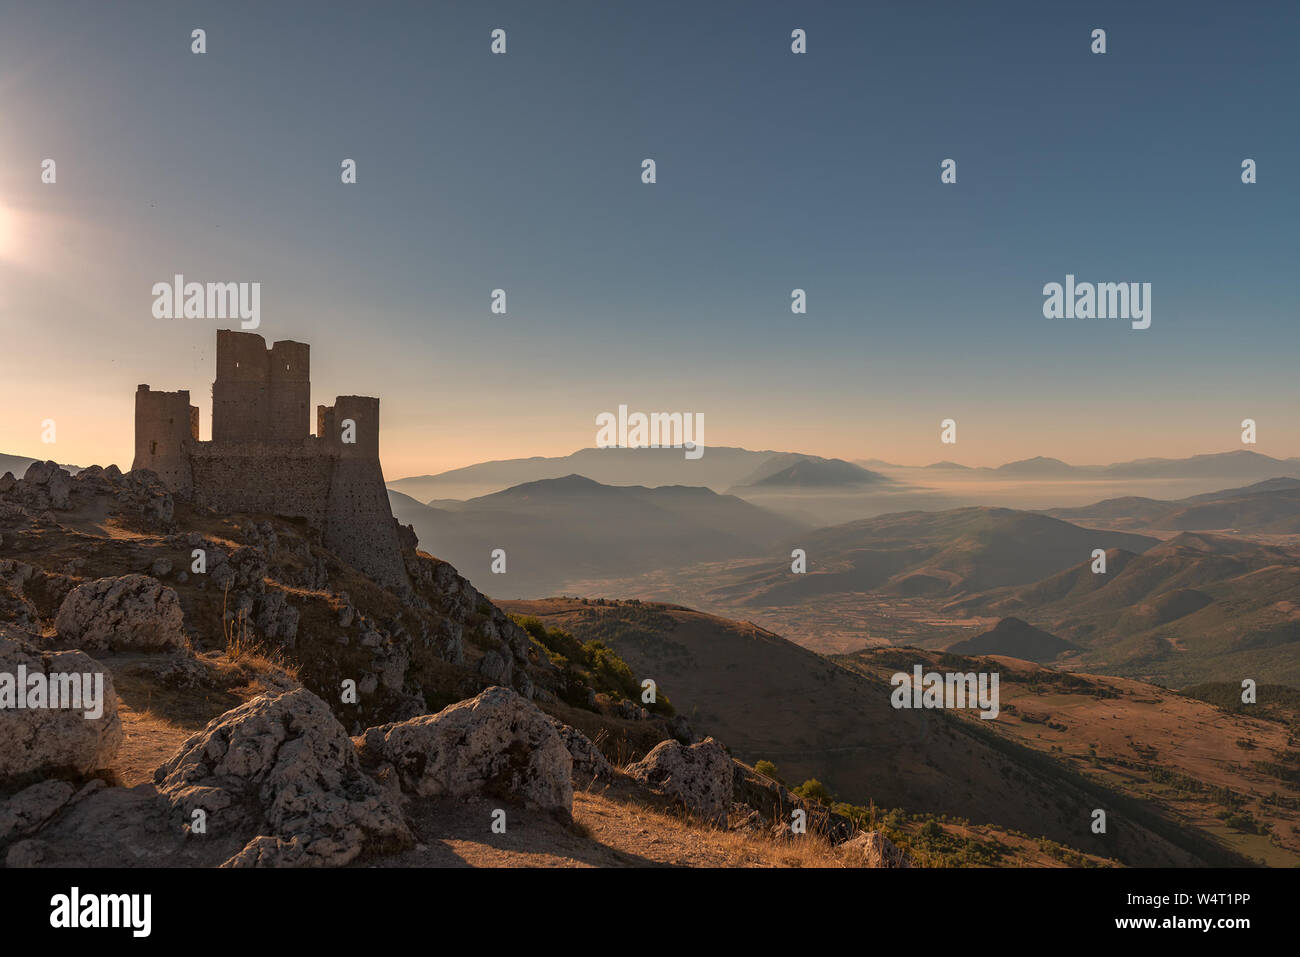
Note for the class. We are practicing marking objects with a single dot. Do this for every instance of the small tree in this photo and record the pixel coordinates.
(814, 790)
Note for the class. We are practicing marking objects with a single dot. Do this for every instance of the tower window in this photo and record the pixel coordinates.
(153, 448)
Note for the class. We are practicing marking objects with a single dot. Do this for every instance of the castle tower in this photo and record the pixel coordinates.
(260, 395)
(354, 417)
(290, 393)
(166, 430)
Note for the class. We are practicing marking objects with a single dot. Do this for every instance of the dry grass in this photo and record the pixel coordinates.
(675, 837)
(244, 649)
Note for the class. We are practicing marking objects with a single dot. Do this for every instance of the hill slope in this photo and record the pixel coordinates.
(1194, 608)
(771, 699)
(1270, 507)
(809, 473)
(929, 553)
(1016, 639)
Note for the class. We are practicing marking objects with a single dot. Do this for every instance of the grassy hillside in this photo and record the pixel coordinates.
(1227, 776)
(771, 699)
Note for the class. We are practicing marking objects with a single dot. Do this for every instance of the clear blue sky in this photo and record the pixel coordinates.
(775, 171)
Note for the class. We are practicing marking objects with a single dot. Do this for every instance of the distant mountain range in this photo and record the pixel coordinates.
(1271, 506)
(1240, 464)
(717, 469)
(814, 490)
(555, 531)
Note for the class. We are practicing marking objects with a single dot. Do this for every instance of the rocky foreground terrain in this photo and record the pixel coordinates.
(265, 705)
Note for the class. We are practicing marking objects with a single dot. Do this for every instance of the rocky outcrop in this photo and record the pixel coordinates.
(774, 804)
(48, 742)
(46, 486)
(699, 777)
(26, 811)
(16, 610)
(589, 765)
(130, 613)
(497, 743)
(873, 849)
(282, 766)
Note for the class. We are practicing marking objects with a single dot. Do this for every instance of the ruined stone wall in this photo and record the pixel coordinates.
(343, 497)
(263, 477)
(359, 523)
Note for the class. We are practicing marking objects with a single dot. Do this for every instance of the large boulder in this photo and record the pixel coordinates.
(130, 613)
(282, 766)
(498, 743)
(699, 776)
(873, 849)
(45, 741)
(47, 485)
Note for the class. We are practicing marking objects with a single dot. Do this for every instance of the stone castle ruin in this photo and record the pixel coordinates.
(262, 457)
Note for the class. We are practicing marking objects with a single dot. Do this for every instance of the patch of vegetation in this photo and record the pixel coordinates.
(588, 665)
(814, 790)
(1242, 821)
(1274, 702)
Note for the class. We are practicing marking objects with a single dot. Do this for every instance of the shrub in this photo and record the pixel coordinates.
(814, 790)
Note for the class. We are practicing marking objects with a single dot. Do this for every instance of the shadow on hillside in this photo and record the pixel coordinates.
(454, 833)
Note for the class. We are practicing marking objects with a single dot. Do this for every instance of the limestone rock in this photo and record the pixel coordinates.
(133, 612)
(699, 776)
(588, 763)
(47, 485)
(873, 849)
(46, 742)
(495, 668)
(497, 743)
(283, 766)
(181, 670)
(776, 803)
(27, 810)
(17, 610)
(631, 711)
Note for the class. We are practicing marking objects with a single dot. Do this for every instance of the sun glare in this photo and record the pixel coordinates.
(8, 234)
